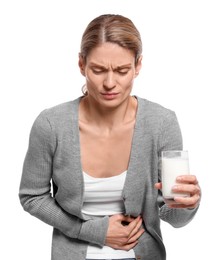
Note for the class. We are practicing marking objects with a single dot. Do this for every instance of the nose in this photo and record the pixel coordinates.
(109, 81)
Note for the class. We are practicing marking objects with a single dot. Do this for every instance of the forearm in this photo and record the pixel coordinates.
(45, 208)
(177, 217)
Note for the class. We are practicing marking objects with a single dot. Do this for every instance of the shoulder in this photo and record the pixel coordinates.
(61, 110)
(58, 117)
(61, 114)
(159, 122)
(153, 111)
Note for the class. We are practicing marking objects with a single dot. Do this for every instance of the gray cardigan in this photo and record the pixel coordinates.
(53, 156)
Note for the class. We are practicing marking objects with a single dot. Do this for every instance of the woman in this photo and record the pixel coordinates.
(101, 153)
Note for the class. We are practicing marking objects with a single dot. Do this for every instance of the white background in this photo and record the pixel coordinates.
(182, 70)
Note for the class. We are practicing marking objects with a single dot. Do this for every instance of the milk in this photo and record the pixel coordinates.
(171, 168)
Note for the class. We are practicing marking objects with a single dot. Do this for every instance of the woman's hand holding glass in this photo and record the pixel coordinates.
(185, 184)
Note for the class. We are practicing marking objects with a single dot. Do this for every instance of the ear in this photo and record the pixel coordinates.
(81, 64)
(138, 66)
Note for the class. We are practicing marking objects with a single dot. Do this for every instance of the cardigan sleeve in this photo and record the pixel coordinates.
(35, 188)
(170, 138)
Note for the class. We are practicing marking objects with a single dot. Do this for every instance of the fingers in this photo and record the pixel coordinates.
(136, 236)
(135, 230)
(128, 219)
(158, 185)
(125, 247)
(191, 201)
(187, 179)
(125, 236)
(186, 184)
(132, 242)
(186, 188)
(187, 202)
(121, 219)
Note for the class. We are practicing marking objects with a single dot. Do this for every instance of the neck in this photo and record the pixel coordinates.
(106, 117)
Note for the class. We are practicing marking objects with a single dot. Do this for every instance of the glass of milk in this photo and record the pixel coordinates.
(173, 164)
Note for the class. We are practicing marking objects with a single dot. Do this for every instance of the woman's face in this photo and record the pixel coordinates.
(109, 71)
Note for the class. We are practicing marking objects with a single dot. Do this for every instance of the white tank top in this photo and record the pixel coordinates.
(102, 197)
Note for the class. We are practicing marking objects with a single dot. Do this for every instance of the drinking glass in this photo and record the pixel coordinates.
(173, 164)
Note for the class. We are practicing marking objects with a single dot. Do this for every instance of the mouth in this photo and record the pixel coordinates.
(110, 95)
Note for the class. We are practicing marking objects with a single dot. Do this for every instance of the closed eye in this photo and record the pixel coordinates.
(98, 71)
(123, 72)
